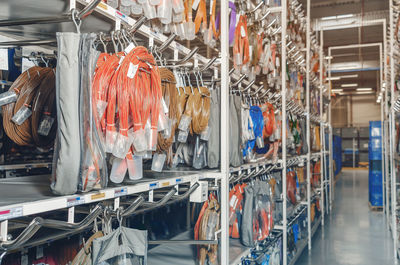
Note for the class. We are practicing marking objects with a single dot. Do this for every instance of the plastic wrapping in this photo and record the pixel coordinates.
(190, 29)
(205, 135)
(22, 114)
(200, 154)
(93, 167)
(111, 138)
(158, 162)
(163, 121)
(135, 167)
(177, 18)
(149, 10)
(45, 125)
(168, 130)
(121, 146)
(136, 8)
(178, 6)
(260, 142)
(139, 140)
(164, 11)
(8, 97)
(113, 3)
(126, 9)
(118, 170)
(184, 123)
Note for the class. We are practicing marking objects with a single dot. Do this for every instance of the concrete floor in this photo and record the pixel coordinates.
(352, 234)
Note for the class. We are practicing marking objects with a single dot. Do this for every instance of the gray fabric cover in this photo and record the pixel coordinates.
(123, 242)
(238, 106)
(234, 137)
(246, 233)
(67, 158)
(213, 153)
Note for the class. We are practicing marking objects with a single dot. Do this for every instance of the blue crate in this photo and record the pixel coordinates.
(375, 129)
(375, 195)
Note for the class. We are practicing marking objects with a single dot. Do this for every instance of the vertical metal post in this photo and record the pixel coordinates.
(3, 230)
(283, 92)
(382, 124)
(224, 131)
(322, 128)
(331, 177)
(392, 132)
(386, 128)
(308, 48)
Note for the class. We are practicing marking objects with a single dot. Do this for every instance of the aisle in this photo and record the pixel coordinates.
(353, 235)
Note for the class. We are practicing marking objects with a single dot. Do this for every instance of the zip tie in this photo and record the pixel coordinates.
(16, 90)
(28, 106)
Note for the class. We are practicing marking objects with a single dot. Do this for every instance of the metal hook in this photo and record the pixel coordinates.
(239, 80)
(113, 41)
(170, 39)
(102, 42)
(208, 65)
(188, 56)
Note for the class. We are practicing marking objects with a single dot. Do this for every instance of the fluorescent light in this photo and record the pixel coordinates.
(364, 89)
(348, 76)
(349, 85)
(333, 78)
(364, 92)
(337, 90)
(338, 17)
(328, 57)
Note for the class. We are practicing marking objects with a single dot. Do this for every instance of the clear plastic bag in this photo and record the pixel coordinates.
(158, 162)
(121, 146)
(8, 97)
(139, 140)
(178, 6)
(164, 11)
(118, 170)
(205, 135)
(136, 8)
(135, 167)
(184, 123)
(22, 115)
(149, 10)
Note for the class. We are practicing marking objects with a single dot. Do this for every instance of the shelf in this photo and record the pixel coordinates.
(174, 254)
(29, 165)
(32, 195)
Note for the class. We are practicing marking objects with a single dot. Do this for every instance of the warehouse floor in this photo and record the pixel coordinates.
(352, 234)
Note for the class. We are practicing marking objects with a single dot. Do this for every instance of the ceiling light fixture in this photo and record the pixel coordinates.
(363, 92)
(337, 17)
(332, 78)
(337, 90)
(348, 76)
(364, 89)
(349, 85)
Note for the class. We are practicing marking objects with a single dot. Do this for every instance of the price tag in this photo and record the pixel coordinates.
(129, 48)
(176, 54)
(211, 6)
(151, 41)
(153, 186)
(132, 70)
(75, 201)
(242, 32)
(196, 62)
(11, 213)
(117, 23)
(165, 184)
(4, 59)
(120, 192)
(98, 196)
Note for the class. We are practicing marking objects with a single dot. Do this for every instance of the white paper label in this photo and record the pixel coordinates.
(176, 54)
(3, 59)
(132, 70)
(195, 4)
(129, 48)
(26, 64)
(242, 32)
(117, 24)
(211, 6)
(164, 105)
(151, 41)
(196, 62)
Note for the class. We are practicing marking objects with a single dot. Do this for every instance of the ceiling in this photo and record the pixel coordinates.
(352, 32)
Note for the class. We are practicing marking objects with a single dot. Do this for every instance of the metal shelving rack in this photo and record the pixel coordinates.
(46, 203)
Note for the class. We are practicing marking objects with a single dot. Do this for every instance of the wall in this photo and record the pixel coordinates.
(355, 111)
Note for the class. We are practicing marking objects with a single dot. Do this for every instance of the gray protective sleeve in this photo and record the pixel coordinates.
(247, 217)
(234, 155)
(66, 160)
(213, 153)
(122, 242)
(238, 106)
